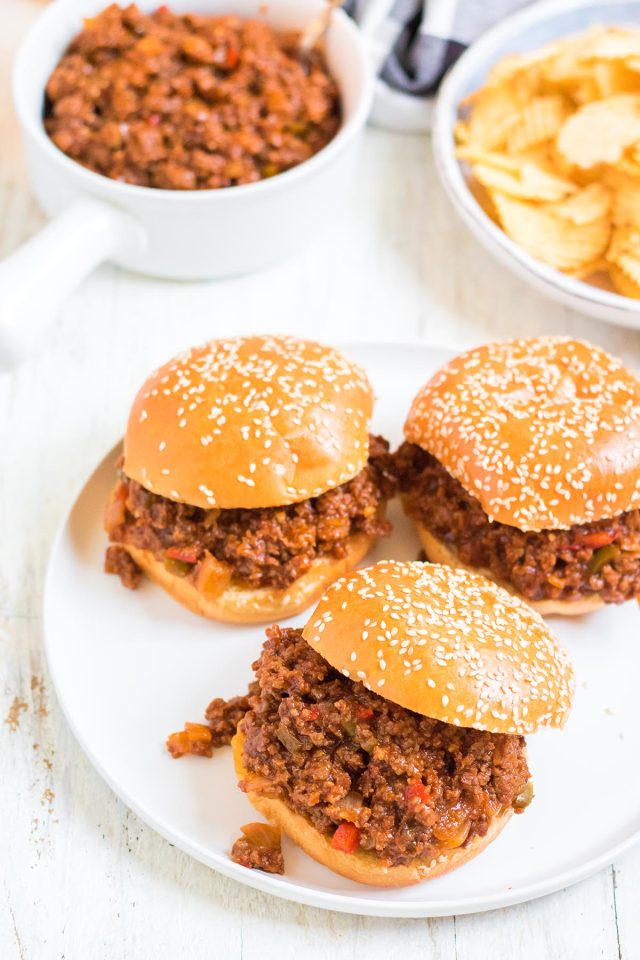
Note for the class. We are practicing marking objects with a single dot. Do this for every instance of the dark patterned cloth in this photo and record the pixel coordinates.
(416, 41)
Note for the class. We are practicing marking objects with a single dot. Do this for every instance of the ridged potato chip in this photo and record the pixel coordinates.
(614, 77)
(625, 191)
(591, 203)
(624, 253)
(492, 118)
(624, 250)
(553, 144)
(539, 121)
(599, 133)
(622, 283)
(613, 43)
(488, 158)
(461, 132)
(483, 199)
(588, 270)
(515, 65)
(530, 182)
(557, 242)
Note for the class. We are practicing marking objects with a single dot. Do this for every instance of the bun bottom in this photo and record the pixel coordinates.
(363, 867)
(439, 552)
(238, 604)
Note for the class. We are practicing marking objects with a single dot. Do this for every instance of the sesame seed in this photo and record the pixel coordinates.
(243, 386)
(566, 394)
(480, 644)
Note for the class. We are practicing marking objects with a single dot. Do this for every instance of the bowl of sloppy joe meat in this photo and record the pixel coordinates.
(186, 142)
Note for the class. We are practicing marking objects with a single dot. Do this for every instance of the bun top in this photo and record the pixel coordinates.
(250, 422)
(544, 432)
(445, 643)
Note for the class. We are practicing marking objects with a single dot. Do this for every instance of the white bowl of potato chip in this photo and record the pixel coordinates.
(537, 140)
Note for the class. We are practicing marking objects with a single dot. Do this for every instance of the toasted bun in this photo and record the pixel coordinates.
(439, 552)
(544, 432)
(445, 643)
(250, 422)
(361, 866)
(238, 604)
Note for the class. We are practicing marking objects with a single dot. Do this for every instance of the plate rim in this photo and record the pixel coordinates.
(265, 883)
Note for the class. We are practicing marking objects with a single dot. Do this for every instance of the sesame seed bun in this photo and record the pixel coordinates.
(439, 552)
(445, 643)
(544, 432)
(240, 604)
(250, 422)
(361, 866)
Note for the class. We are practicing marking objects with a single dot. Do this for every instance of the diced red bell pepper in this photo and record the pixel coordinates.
(314, 712)
(416, 791)
(185, 554)
(346, 838)
(597, 539)
(364, 713)
(232, 57)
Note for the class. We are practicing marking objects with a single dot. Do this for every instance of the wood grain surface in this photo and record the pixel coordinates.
(82, 877)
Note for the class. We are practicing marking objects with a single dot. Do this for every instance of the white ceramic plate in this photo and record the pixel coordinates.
(129, 668)
(527, 30)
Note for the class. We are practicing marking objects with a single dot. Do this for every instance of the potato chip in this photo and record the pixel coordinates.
(614, 43)
(566, 75)
(600, 132)
(622, 283)
(490, 158)
(483, 198)
(624, 240)
(557, 242)
(539, 121)
(630, 265)
(614, 77)
(628, 165)
(591, 203)
(553, 143)
(461, 132)
(492, 118)
(625, 197)
(529, 182)
(514, 64)
(624, 252)
(589, 270)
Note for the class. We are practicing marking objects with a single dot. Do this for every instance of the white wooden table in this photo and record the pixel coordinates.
(82, 877)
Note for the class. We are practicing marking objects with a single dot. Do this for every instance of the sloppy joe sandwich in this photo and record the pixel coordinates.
(249, 480)
(522, 462)
(386, 737)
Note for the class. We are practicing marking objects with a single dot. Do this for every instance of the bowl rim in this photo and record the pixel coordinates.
(97, 182)
(450, 169)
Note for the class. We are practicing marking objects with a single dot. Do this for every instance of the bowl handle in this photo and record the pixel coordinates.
(37, 278)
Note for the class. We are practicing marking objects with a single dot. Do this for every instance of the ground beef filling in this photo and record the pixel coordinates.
(601, 558)
(118, 561)
(259, 848)
(271, 547)
(364, 771)
(223, 717)
(188, 102)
